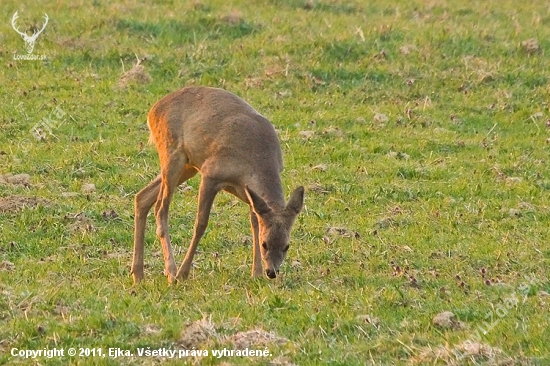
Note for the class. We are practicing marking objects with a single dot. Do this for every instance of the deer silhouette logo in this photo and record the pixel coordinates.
(29, 40)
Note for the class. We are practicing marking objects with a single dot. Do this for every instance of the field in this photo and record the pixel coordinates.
(420, 129)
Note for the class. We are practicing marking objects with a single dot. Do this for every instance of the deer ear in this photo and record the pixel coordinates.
(296, 201)
(257, 203)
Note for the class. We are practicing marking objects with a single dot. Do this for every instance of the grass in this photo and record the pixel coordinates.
(418, 128)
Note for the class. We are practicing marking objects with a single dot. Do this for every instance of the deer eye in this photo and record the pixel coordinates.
(264, 245)
(286, 249)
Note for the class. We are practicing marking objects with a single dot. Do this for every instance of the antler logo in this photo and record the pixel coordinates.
(29, 40)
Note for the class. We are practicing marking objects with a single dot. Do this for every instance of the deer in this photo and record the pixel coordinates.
(29, 40)
(235, 149)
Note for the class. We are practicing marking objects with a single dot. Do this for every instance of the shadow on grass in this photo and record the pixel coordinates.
(324, 6)
(179, 31)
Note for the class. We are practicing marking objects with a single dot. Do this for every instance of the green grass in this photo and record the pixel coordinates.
(428, 150)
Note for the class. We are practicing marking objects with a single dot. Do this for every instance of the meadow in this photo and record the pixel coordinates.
(420, 129)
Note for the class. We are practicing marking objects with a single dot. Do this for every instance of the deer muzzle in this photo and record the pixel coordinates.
(271, 273)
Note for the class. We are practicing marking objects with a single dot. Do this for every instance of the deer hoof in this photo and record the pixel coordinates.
(172, 280)
(171, 275)
(182, 276)
(137, 275)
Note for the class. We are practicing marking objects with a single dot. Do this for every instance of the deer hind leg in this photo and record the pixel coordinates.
(207, 192)
(172, 174)
(142, 204)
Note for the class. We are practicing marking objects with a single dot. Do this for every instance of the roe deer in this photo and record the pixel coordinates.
(217, 134)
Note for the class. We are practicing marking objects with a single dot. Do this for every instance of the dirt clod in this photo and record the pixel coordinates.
(368, 319)
(475, 352)
(447, 319)
(306, 134)
(317, 188)
(233, 18)
(15, 180)
(88, 188)
(151, 329)
(530, 46)
(7, 266)
(79, 222)
(197, 333)
(17, 203)
(343, 232)
(281, 361)
(320, 167)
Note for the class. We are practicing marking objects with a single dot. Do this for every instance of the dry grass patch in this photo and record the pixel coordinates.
(136, 75)
(79, 222)
(256, 337)
(466, 353)
(205, 334)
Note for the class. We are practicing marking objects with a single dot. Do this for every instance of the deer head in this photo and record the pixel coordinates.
(29, 40)
(274, 228)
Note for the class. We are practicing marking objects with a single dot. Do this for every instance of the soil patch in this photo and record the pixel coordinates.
(16, 180)
(17, 203)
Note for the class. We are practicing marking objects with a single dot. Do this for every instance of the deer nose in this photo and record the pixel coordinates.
(271, 273)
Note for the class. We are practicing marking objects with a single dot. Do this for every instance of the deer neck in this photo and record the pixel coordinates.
(268, 185)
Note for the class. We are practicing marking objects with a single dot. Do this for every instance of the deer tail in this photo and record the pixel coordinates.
(151, 137)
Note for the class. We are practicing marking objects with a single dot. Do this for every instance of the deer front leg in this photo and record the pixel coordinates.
(142, 204)
(256, 256)
(207, 192)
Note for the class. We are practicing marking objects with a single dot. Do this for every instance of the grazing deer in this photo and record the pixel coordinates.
(29, 40)
(234, 148)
